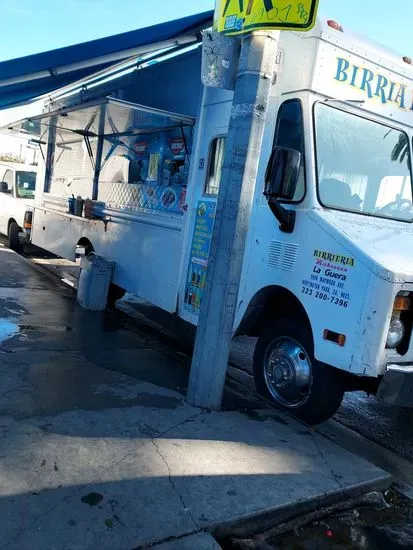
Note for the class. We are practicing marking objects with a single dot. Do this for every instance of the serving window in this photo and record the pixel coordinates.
(148, 171)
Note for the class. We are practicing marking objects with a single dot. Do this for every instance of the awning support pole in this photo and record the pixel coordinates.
(51, 144)
(99, 152)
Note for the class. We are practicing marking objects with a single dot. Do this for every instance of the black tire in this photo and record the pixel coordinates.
(322, 395)
(87, 247)
(13, 237)
(115, 293)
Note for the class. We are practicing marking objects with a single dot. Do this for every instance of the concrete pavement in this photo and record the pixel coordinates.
(98, 447)
(200, 541)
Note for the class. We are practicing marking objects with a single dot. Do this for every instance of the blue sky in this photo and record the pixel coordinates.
(31, 26)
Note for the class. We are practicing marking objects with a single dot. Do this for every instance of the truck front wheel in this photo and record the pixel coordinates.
(286, 372)
(13, 237)
(115, 293)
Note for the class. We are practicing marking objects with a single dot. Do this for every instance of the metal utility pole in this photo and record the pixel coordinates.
(242, 156)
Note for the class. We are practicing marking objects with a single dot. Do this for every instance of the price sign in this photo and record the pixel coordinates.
(177, 146)
(141, 147)
(242, 16)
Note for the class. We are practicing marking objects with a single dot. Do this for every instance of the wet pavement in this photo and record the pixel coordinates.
(98, 448)
(389, 427)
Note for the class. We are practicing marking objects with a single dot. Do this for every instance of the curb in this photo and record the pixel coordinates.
(381, 457)
(264, 521)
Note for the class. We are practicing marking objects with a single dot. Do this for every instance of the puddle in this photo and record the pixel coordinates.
(254, 415)
(122, 390)
(56, 328)
(8, 329)
(11, 307)
(361, 528)
(92, 499)
(371, 525)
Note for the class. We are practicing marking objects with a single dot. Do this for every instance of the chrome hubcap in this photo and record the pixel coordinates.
(287, 370)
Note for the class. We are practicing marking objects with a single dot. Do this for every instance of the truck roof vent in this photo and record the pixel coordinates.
(407, 60)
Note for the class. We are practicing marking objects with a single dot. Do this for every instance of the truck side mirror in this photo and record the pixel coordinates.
(3, 187)
(281, 180)
(283, 170)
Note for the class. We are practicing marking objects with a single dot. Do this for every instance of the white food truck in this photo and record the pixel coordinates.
(327, 280)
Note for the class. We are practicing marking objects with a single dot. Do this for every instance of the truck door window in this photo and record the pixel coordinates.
(290, 133)
(26, 184)
(216, 159)
(8, 178)
(363, 166)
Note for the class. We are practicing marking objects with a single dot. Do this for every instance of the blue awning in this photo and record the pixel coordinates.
(29, 77)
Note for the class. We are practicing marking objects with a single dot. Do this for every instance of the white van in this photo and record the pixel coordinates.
(17, 193)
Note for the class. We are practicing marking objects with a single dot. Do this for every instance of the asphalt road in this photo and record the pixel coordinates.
(390, 427)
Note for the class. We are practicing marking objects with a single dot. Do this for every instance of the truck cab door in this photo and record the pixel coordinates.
(206, 177)
(6, 196)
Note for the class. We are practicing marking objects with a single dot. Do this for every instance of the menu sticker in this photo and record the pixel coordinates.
(328, 281)
(198, 262)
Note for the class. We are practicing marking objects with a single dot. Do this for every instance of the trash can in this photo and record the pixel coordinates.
(94, 281)
(71, 201)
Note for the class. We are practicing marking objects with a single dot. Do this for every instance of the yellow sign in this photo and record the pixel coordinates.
(242, 16)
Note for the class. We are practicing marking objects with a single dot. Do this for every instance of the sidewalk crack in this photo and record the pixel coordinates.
(173, 485)
(333, 473)
(98, 479)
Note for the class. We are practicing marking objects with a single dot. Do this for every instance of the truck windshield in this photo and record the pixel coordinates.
(362, 166)
(25, 184)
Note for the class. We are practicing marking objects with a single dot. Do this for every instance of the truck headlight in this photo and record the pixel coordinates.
(396, 333)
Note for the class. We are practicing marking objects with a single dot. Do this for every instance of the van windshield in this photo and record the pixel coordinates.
(362, 166)
(25, 184)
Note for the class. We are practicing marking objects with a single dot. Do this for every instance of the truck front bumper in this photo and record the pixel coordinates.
(396, 388)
